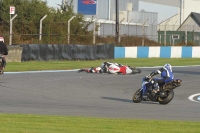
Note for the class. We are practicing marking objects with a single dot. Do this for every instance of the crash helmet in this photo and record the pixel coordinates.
(1, 39)
(168, 66)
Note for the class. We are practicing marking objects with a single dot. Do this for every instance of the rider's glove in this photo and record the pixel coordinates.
(148, 77)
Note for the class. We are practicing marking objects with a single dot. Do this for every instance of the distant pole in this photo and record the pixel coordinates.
(68, 36)
(128, 25)
(11, 24)
(165, 32)
(180, 12)
(117, 22)
(40, 34)
(143, 32)
(94, 31)
(12, 11)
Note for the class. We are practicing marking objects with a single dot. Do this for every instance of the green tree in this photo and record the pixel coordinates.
(55, 25)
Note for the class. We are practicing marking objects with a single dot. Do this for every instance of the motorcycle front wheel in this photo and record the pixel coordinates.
(168, 98)
(137, 97)
(135, 70)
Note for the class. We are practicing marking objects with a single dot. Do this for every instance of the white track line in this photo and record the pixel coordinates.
(191, 98)
(44, 71)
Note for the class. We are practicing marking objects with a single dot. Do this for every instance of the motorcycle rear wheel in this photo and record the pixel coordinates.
(137, 97)
(170, 96)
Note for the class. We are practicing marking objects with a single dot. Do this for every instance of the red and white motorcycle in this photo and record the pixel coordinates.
(115, 68)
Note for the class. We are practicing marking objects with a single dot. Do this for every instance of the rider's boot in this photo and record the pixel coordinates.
(80, 70)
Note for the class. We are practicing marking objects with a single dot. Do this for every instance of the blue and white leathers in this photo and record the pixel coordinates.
(166, 73)
(166, 76)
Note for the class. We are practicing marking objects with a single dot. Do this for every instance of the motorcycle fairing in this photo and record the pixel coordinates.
(144, 87)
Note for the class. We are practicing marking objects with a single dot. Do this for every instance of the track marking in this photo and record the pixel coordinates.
(191, 98)
(44, 71)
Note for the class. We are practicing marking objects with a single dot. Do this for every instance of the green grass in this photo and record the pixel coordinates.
(63, 124)
(67, 65)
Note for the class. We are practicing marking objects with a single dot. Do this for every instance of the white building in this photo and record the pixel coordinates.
(184, 7)
(140, 23)
(132, 21)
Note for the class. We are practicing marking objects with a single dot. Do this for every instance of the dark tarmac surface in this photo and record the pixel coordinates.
(96, 95)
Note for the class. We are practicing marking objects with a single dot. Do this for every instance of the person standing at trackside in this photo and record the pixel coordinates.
(3, 52)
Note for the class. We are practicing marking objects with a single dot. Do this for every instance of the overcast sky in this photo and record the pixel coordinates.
(164, 12)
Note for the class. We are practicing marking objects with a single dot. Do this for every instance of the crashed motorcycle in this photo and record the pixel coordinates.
(114, 68)
(163, 96)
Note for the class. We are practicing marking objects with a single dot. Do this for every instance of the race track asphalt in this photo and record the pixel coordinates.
(95, 95)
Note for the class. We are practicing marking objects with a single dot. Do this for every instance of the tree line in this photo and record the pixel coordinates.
(55, 25)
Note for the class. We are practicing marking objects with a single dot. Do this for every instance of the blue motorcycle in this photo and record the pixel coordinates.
(163, 95)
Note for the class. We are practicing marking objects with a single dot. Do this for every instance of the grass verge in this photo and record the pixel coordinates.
(67, 65)
(62, 124)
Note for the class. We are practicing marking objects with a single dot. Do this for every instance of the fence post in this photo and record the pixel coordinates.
(165, 35)
(186, 36)
(103, 26)
(143, 33)
(11, 20)
(152, 28)
(94, 27)
(136, 26)
(128, 25)
(120, 30)
(68, 39)
(40, 34)
(160, 38)
(160, 24)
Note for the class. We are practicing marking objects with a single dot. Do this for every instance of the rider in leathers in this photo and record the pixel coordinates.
(166, 75)
(3, 52)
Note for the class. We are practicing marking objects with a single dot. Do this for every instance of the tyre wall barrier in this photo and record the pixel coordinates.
(158, 52)
(47, 52)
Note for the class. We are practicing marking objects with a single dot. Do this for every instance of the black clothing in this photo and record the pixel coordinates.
(3, 49)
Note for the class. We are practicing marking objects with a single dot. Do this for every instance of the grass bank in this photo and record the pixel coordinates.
(67, 65)
(63, 124)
